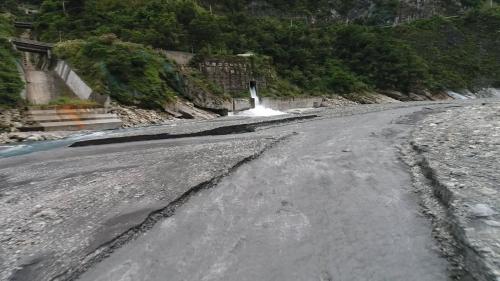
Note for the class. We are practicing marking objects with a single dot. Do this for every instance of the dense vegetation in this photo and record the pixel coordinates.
(433, 54)
(130, 73)
(10, 82)
(373, 12)
(460, 52)
(307, 58)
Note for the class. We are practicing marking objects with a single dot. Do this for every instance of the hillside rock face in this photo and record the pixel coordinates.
(204, 98)
(394, 12)
(372, 11)
(415, 9)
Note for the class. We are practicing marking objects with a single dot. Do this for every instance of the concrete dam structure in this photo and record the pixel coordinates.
(45, 84)
(236, 75)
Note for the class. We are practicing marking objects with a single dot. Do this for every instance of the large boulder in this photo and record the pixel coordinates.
(188, 110)
(396, 95)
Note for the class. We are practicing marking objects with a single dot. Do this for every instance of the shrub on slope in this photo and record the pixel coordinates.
(130, 73)
(10, 82)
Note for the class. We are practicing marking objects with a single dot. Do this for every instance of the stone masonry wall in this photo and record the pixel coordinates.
(233, 75)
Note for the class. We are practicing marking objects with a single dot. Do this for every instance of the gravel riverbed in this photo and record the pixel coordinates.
(458, 151)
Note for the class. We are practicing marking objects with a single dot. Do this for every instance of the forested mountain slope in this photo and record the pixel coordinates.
(324, 58)
(361, 11)
(319, 54)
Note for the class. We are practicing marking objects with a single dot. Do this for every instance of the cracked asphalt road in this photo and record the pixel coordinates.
(333, 202)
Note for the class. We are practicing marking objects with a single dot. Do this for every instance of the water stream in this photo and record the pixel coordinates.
(10, 150)
(259, 110)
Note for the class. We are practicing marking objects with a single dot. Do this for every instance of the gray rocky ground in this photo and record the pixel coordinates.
(328, 199)
(332, 202)
(64, 205)
(459, 153)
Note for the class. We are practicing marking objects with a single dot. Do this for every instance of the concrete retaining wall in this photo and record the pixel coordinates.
(282, 104)
(290, 103)
(77, 85)
(41, 87)
(23, 78)
(73, 81)
(241, 104)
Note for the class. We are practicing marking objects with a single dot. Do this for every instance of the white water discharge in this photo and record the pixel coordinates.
(259, 109)
(29, 147)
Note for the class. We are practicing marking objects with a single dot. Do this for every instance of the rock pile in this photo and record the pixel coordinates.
(132, 116)
(370, 98)
(15, 137)
(10, 120)
(335, 101)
